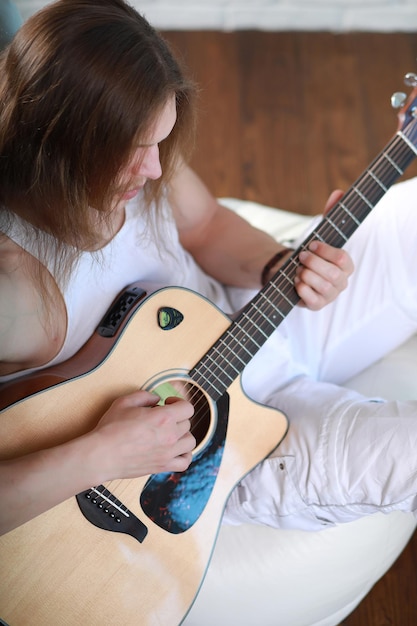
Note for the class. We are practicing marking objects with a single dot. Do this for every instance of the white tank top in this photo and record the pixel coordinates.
(132, 255)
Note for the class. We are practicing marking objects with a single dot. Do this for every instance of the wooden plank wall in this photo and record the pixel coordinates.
(287, 117)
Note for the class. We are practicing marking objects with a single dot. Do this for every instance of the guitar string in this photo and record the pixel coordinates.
(368, 189)
(370, 183)
(327, 227)
(287, 288)
(284, 283)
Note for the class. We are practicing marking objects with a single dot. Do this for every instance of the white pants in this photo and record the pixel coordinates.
(344, 456)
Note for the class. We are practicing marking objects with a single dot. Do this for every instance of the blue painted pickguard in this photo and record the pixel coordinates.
(174, 501)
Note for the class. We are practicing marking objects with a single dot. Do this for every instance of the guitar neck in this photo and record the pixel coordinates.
(259, 319)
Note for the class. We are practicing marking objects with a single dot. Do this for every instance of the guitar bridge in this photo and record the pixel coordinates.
(103, 510)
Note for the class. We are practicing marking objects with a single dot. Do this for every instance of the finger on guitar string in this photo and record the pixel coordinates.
(324, 270)
(137, 436)
(323, 274)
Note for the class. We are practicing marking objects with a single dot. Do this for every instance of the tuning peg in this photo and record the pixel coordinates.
(398, 99)
(410, 79)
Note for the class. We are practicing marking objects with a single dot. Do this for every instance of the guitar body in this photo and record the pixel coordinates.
(62, 569)
(134, 552)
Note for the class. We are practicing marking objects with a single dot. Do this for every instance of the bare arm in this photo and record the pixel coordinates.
(223, 243)
(133, 438)
(234, 252)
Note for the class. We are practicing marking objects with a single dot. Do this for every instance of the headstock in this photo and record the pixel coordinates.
(407, 104)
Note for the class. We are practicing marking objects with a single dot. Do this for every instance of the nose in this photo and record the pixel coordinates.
(148, 164)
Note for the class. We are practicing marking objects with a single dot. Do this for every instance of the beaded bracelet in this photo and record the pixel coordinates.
(271, 263)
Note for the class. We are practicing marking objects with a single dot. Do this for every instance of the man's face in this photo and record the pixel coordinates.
(144, 163)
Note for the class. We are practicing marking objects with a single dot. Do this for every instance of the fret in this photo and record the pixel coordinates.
(233, 356)
(363, 197)
(258, 313)
(327, 232)
(393, 163)
(407, 141)
(287, 271)
(389, 176)
(334, 225)
(241, 343)
(216, 392)
(239, 346)
(273, 316)
(318, 236)
(229, 369)
(251, 336)
(293, 260)
(209, 366)
(265, 312)
(378, 181)
(398, 155)
(210, 381)
(204, 373)
(264, 316)
(239, 334)
(227, 360)
(350, 214)
(280, 293)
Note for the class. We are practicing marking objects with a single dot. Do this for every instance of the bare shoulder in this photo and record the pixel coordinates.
(30, 335)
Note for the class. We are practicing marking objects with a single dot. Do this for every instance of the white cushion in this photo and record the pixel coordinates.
(259, 576)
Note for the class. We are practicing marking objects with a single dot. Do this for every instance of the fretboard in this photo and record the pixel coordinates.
(227, 358)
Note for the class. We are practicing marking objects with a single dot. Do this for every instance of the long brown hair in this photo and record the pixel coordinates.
(80, 82)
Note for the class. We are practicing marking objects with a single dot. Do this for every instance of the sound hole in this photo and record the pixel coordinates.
(204, 418)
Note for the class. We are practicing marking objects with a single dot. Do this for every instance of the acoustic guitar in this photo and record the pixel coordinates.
(134, 552)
